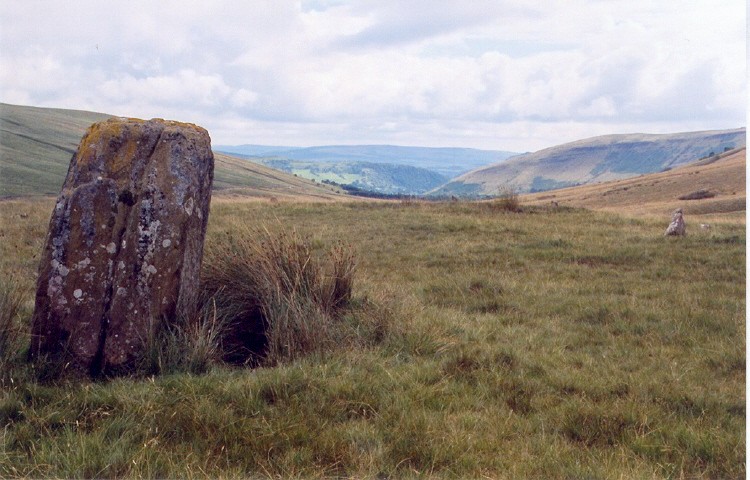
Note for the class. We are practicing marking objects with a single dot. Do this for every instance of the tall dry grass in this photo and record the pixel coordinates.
(191, 344)
(13, 334)
(281, 299)
(507, 199)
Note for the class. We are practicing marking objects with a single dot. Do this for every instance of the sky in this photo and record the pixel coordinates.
(513, 75)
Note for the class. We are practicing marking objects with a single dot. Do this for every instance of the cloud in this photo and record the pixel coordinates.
(485, 73)
(184, 86)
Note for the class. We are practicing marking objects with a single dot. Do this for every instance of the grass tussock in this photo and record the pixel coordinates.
(507, 200)
(281, 299)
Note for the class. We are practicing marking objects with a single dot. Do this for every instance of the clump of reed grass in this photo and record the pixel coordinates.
(281, 298)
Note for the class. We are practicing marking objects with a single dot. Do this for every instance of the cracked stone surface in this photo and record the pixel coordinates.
(125, 242)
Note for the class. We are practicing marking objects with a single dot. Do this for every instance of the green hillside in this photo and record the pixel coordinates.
(234, 175)
(36, 145)
(592, 160)
(374, 177)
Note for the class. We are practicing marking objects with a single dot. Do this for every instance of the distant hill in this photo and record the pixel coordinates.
(382, 178)
(253, 150)
(714, 185)
(448, 162)
(593, 160)
(36, 145)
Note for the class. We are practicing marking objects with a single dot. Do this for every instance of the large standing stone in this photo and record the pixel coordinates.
(677, 225)
(125, 242)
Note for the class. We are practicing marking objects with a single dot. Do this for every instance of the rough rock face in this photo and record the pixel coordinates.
(125, 242)
(677, 226)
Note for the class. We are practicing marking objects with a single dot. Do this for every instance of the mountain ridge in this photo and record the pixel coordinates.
(601, 158)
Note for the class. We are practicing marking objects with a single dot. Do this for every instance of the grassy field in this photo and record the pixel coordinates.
(552, 343)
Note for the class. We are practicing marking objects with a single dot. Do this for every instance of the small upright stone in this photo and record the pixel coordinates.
(125, 242)
(677, 225)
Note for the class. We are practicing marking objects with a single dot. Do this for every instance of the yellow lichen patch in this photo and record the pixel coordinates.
(124, 156)
(98, 134)
(98, 141)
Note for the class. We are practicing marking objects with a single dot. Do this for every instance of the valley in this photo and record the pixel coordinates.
(37, 143)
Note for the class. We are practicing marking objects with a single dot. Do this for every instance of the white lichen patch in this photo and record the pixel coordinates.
(121, 291)
(78, 293)
(166, 243)
(121, 265)
(111, 248)
(151, 269)
(63, 270)
(83, 263)
(54, 287)
(189, 206)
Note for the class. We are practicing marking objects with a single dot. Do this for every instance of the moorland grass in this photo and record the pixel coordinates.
(549, 343)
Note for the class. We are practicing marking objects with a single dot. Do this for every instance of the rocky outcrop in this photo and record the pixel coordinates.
(677, 225)
(125, 242)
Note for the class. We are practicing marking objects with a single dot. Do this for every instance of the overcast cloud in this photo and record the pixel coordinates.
(507, 74)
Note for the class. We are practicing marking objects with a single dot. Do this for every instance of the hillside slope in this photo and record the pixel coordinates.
(597, 159)
(237, 176)
(722, 178)
(373, 177)
(36, 145)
